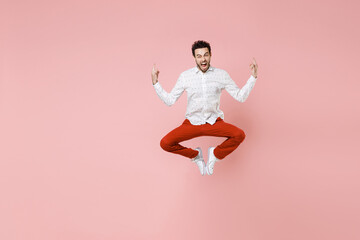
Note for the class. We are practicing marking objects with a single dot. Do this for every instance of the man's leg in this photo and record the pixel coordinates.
(185, 131)
(220, 128)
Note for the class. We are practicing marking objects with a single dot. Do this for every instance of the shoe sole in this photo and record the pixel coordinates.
(202, 157)
(207, 171)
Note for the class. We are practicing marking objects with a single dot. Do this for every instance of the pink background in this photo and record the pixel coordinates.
(81, 123)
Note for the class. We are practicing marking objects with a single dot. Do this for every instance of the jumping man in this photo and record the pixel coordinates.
(203, 85)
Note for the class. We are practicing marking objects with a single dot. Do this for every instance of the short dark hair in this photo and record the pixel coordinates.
(200, 44)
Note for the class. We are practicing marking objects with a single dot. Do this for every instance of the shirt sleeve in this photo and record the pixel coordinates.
(240, 94)
(170, 98)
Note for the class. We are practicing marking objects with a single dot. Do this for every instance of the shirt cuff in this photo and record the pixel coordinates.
(157, 86)
(252, 78)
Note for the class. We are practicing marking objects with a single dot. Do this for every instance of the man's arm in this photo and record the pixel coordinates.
(241, 94)
(168, 98)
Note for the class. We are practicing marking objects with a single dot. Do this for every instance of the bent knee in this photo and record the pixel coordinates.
(239, 134)
(165, 144)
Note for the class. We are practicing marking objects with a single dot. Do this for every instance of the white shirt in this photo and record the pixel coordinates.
(203, 93)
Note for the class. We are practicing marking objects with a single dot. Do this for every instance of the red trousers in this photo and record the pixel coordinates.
(188, 131)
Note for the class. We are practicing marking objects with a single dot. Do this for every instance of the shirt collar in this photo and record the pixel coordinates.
(210, 69)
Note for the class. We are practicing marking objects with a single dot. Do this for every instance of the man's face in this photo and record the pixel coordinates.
(202, 58)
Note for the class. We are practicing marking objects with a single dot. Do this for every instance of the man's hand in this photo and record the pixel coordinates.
(254, 67)
(154, 75)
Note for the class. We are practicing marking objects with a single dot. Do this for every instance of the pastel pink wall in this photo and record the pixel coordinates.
(81, 123)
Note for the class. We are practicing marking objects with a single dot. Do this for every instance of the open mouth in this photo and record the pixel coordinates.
(203, 64)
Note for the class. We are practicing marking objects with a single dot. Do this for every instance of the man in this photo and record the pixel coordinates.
(203, 85)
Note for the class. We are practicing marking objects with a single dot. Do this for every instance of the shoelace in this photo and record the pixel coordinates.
(201, 165)
(199, 162)
(212, 164)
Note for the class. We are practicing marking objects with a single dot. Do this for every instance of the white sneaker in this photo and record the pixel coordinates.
(211, 162)
(199, 160)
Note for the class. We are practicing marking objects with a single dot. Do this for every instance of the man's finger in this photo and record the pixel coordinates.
(254, 61)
